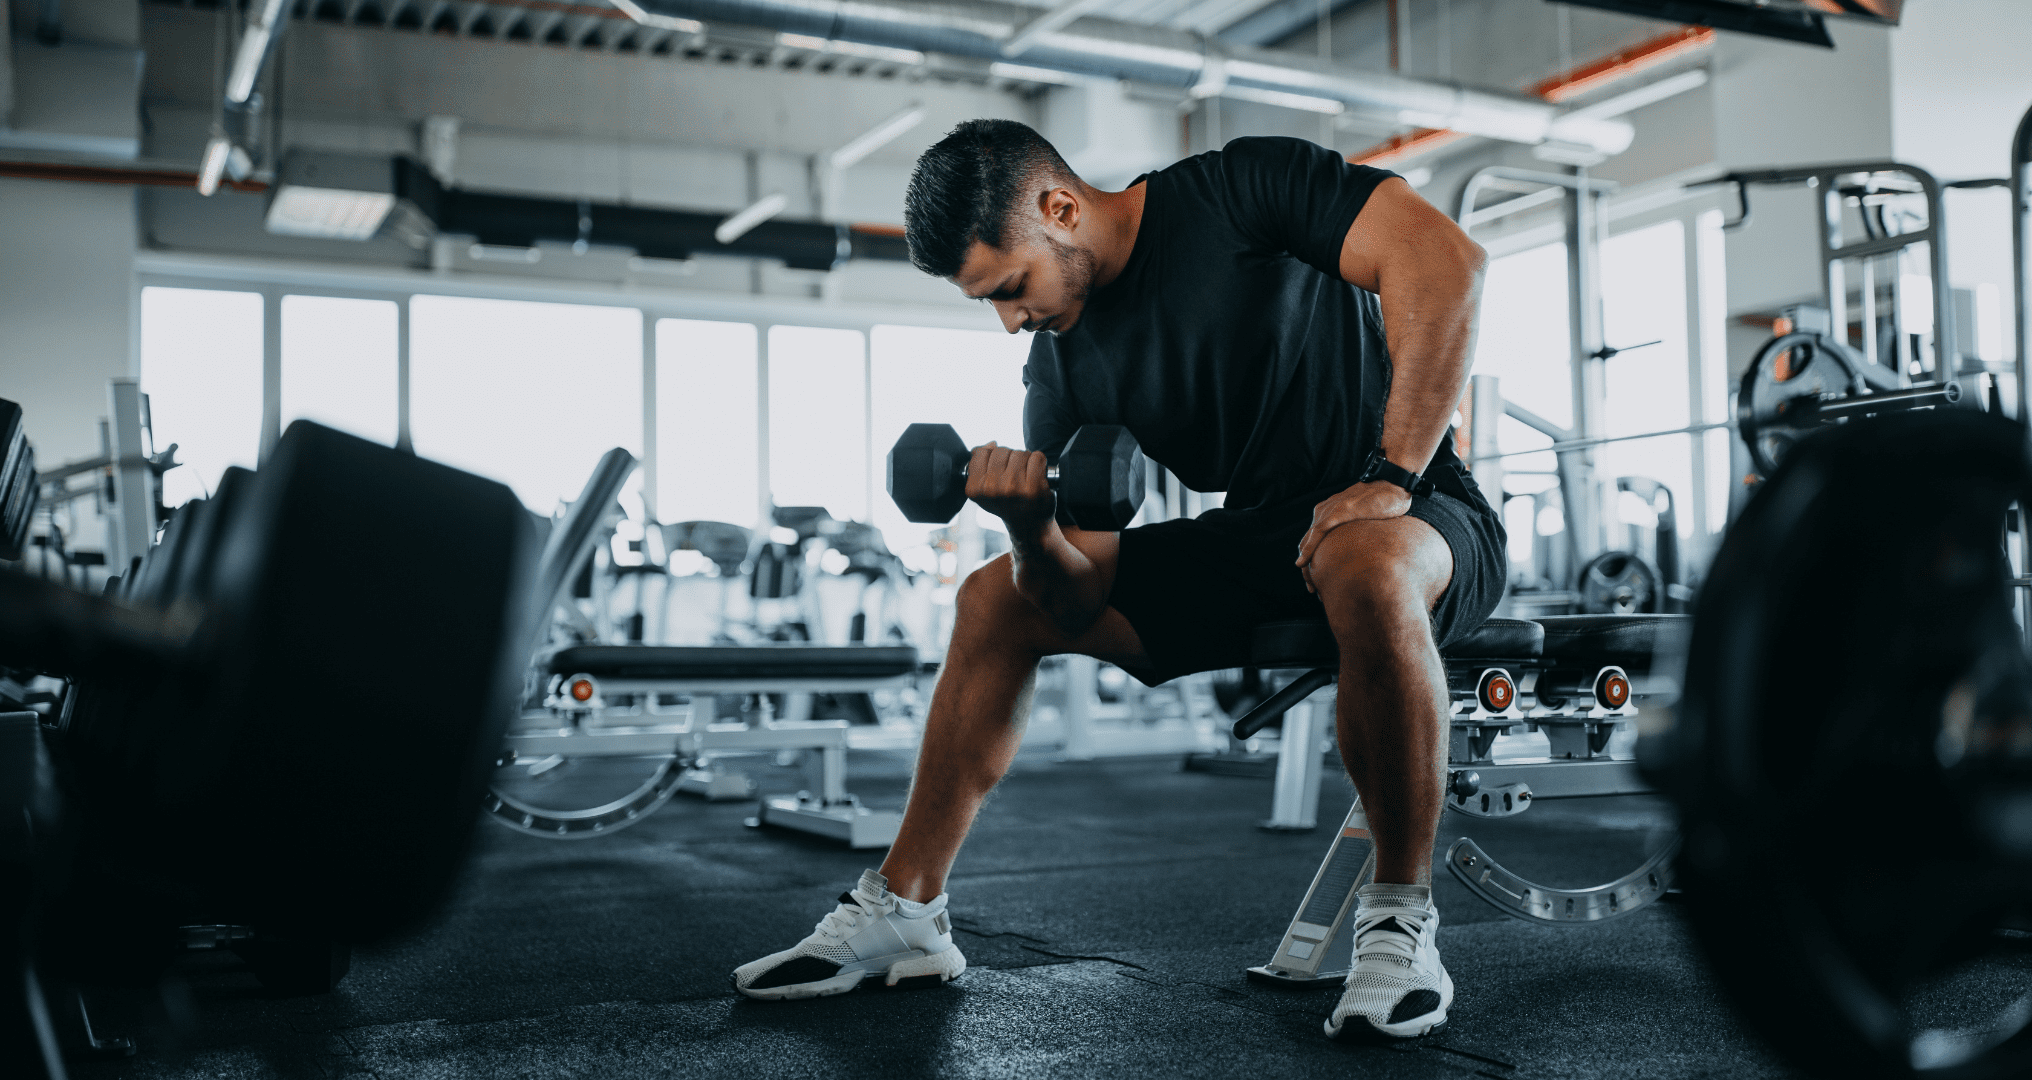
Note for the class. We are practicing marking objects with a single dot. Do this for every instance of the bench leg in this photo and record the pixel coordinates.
(1301, 952)
(1294, 803)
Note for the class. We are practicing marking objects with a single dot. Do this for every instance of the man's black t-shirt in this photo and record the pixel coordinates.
(1229, 345)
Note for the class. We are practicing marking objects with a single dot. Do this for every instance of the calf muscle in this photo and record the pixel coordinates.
(1379, 581)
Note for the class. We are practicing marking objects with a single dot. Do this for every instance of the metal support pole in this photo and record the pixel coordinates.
(649, 470)
(133, 483)
(833, 782)
(2021, 277)
(868, 458)
(1485, 416)
(1294, 803)
(1578, 488)
(404, 440)
(1082, 693)
(271, 372)
(765, 498)
(1697, 345)
(2021, 259)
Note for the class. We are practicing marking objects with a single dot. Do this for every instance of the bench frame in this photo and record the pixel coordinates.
(691, 737)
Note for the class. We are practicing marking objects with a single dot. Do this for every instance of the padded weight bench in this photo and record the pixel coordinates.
(1576, 678)
(581, 679)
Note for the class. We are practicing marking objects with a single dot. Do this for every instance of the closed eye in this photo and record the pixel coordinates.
(1004, 292)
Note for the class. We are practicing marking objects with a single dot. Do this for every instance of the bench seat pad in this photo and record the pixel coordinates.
(1628, 641)
(1310, 643)
(678, 662)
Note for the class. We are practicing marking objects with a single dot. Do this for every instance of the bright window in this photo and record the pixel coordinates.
(1523, 341)
(706, 422)
(529, 394)
(339, 364)
(818, 449)
(1644, 299)
(201, 369)
(971, 379)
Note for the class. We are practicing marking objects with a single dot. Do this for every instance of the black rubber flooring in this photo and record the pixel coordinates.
(1107, 911)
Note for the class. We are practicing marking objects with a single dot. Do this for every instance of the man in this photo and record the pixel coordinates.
(1229, 310)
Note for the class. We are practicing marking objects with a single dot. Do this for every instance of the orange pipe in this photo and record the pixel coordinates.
(1588, 77)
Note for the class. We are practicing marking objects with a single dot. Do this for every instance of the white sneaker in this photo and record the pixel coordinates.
(1397, 988)
(872, 933)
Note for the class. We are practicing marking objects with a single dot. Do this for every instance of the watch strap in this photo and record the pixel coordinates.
(1383, 469)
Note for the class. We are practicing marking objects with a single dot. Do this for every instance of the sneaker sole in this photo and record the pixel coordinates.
(916, 973)
(1358, 1030)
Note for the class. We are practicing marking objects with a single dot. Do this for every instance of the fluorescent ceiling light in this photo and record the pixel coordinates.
(214, 164)
(738, 225)
(1027, 73)
(328, 213)
(261, 27)
(875, 138)
(331, 196)
(661, 22)
(1650, 94)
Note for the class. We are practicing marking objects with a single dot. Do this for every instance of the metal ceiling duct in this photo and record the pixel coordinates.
(1199, 65)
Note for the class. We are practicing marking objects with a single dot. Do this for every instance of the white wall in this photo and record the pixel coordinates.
(66, 318)
(1962, 73)
(1777, 104)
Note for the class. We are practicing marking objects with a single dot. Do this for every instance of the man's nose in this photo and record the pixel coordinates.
(1013, 319)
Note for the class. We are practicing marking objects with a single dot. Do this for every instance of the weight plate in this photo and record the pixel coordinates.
(1790, 371)
(343, 699)
(1852, 758)
(1618, 583)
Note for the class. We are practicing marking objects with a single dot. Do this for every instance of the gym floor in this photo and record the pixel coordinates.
(1107, 910)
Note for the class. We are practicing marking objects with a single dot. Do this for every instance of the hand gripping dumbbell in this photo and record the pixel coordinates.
(1098, 478)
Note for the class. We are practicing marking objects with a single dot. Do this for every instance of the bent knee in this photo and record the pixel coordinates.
(988, 599)
(1380, 567)
(991, 586)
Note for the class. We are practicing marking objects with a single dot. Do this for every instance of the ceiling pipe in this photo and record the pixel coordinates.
(1190, 62)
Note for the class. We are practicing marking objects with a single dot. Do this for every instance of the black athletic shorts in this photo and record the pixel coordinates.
(1194, 589)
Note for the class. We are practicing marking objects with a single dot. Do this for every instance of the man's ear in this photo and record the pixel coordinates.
(1060, 207)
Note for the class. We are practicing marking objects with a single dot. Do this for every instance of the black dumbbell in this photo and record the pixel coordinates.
(1099, 475)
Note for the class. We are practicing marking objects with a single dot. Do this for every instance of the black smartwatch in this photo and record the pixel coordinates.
(1380, 468)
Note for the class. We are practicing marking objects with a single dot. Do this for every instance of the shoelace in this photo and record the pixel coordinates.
(1388, 942)
(847, 917)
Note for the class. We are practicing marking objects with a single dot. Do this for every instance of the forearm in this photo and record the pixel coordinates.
(1054, 574)
(1429, 317)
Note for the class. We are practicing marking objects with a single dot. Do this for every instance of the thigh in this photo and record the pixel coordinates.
(992, 612)
(1194, 591)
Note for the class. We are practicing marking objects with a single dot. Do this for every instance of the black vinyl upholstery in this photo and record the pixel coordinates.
(1628, 641)
(1310, 643)
(678, 662)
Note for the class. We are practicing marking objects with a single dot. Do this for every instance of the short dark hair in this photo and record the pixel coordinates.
(965, 187)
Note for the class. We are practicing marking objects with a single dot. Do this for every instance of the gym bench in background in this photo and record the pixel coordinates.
(576, 709)
(585, 674)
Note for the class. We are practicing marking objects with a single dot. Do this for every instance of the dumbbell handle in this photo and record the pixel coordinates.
(1050, 473)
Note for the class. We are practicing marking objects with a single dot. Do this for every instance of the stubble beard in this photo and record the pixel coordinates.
(1077, 264)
